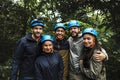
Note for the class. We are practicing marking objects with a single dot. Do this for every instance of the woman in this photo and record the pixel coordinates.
(91, 67)
(49, 65)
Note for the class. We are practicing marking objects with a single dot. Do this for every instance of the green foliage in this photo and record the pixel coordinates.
(105, 35)
(103, 15)
(5, 70)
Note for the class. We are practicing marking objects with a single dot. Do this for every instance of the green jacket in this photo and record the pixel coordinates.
(97, 70)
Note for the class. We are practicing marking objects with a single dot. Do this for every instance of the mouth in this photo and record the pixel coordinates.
(74, 33)
(37, 33)
(59, 35)
(85, 44)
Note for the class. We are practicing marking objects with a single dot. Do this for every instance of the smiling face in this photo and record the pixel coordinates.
(47, 47)
(37, 31)
(60, 33)
(89, 40)
(74, 31)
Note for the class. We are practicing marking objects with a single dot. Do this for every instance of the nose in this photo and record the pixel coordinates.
(72, 29)
(60, 32)
(39, 29)
(48, 47)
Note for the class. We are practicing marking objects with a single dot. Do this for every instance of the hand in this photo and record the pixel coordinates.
(52, 50)
(98, 56)
(81, 61)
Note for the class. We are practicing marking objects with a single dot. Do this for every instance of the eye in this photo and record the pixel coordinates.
(75, 28)
(40, 28)
(58, 31)
(89, 38)
(84, 38)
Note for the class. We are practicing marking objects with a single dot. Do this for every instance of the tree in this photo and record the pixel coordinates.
(104, 15)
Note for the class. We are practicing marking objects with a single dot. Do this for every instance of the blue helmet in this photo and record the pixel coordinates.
(73, 23)
(46, 38)
(36, 22)
(90, 31)
(59, 25)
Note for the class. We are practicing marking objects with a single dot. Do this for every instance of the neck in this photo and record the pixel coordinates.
(36, 38)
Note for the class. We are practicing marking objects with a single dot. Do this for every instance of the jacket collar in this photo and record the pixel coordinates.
(29, 37)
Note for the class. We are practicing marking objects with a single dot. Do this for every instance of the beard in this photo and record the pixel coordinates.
(74, 34)
(37, 35)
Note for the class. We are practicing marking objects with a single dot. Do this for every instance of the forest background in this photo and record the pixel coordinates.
(103, 15)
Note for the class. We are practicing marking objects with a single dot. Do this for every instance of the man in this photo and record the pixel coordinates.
(76, 45)
(26, 53)
(62, 46)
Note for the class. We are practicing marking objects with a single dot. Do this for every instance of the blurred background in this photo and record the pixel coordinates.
(103, 15)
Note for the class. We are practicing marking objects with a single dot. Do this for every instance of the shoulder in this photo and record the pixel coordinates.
(39, 58)
(57, 53)
(22, 40)
(27, 37)
(66, 41)
(69, 39)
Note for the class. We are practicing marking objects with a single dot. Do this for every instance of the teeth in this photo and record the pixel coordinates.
(59, 35)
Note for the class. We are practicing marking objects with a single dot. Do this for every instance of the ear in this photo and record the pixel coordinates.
(79, 29)
(65, 32)
(94, 40)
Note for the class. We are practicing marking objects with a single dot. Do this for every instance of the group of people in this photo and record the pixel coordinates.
(42, 57)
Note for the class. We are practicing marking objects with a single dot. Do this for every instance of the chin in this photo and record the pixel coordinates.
(74, 36)
(47, 51)
(87, 46)
(38, 36)
(59, 37)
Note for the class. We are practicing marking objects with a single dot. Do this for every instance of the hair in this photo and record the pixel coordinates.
(88, 52)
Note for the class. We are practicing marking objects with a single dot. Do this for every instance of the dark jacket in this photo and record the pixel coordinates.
(24, 57)
(62, 47)
(49, 66)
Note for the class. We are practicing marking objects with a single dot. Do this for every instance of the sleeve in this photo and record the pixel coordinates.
(103, 50)
(94, 71)
(60, 74)
(17, 57)
(38, 70)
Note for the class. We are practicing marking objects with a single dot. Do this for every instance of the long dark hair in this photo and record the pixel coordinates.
(88, 52)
